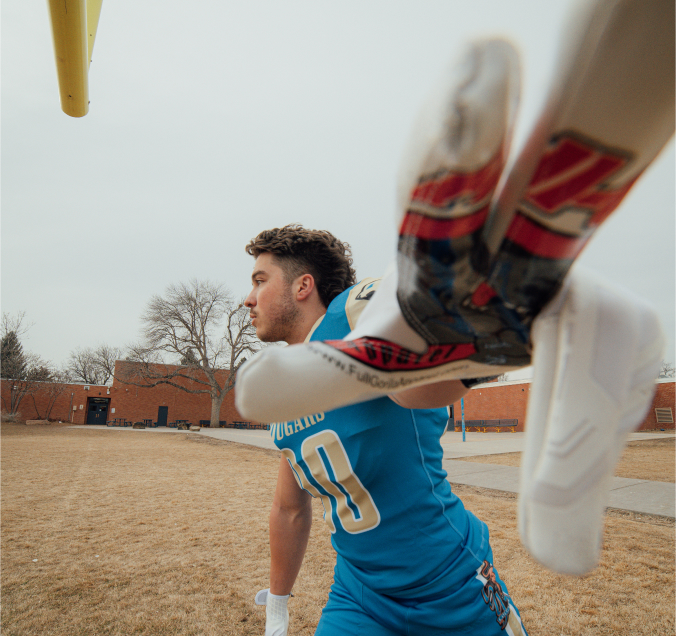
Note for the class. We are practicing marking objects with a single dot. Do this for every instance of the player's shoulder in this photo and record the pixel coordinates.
(357, 297)
(344, 311)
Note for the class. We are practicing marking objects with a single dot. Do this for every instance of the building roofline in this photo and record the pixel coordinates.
(486, 385)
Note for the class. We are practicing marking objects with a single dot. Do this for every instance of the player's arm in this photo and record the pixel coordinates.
(290, 523)
(431, 396)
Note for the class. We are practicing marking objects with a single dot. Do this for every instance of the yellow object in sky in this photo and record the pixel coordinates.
(74, 24)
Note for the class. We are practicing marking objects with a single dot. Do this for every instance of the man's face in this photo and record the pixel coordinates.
(271, 303)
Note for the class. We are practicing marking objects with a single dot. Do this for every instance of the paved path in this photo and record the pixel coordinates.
(635, 495)
(497, 443)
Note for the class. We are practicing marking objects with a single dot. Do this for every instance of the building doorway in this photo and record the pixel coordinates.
(162, 415)
(97, 410)
(450, 425)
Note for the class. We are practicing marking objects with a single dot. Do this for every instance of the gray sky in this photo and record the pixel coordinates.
(210, 122)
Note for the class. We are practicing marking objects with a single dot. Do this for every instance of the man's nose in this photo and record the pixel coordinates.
(250, 301)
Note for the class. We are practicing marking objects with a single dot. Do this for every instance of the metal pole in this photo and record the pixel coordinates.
(462, 413)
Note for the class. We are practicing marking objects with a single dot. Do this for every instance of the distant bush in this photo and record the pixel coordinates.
(12, 418)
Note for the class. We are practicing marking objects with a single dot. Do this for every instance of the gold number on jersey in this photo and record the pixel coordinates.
(344, 481)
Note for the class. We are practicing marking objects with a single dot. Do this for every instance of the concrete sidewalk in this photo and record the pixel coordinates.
(258, 438)
(498, 443)
(635, 495)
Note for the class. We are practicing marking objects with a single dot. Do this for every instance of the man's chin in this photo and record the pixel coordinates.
(269, 338)
(264, 337)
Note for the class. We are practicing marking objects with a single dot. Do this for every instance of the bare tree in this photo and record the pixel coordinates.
(36, 372)
(105, 357)
(52, 389)
(22, 371)
(667, 370)
(203, 330)
(16, 323)
(92, 366)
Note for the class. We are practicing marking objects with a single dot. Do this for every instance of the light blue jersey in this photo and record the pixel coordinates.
(377, 467)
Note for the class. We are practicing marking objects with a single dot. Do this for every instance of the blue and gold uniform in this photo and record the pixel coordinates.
(411, 559)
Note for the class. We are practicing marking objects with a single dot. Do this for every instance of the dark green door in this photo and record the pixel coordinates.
(97, 410)
(162, 415)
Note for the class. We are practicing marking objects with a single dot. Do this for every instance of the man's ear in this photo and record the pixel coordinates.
(305, 284)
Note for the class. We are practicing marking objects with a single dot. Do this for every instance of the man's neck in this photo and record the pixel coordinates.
(305, 325)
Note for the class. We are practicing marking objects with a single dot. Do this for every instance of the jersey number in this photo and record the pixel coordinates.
(327, 461)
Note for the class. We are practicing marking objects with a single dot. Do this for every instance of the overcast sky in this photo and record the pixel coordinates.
(211, 121)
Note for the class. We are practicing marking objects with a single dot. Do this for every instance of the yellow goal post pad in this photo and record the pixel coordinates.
(74, 24)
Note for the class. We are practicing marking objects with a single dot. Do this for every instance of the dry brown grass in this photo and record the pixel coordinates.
(133, 532)
(651, 459)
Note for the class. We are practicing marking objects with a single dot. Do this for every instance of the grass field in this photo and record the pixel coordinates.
(131, 532)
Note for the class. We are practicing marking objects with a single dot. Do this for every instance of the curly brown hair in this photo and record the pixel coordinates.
(302, 251)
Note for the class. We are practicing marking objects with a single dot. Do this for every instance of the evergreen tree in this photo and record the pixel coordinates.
(14, 364)
(189, 359)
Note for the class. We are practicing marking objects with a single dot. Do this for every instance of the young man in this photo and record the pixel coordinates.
(483, 281)
(410, 558)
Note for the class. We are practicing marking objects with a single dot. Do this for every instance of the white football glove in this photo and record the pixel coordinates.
(276, 612)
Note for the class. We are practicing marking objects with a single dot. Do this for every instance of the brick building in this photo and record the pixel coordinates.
(489, 407)
(91, 404)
